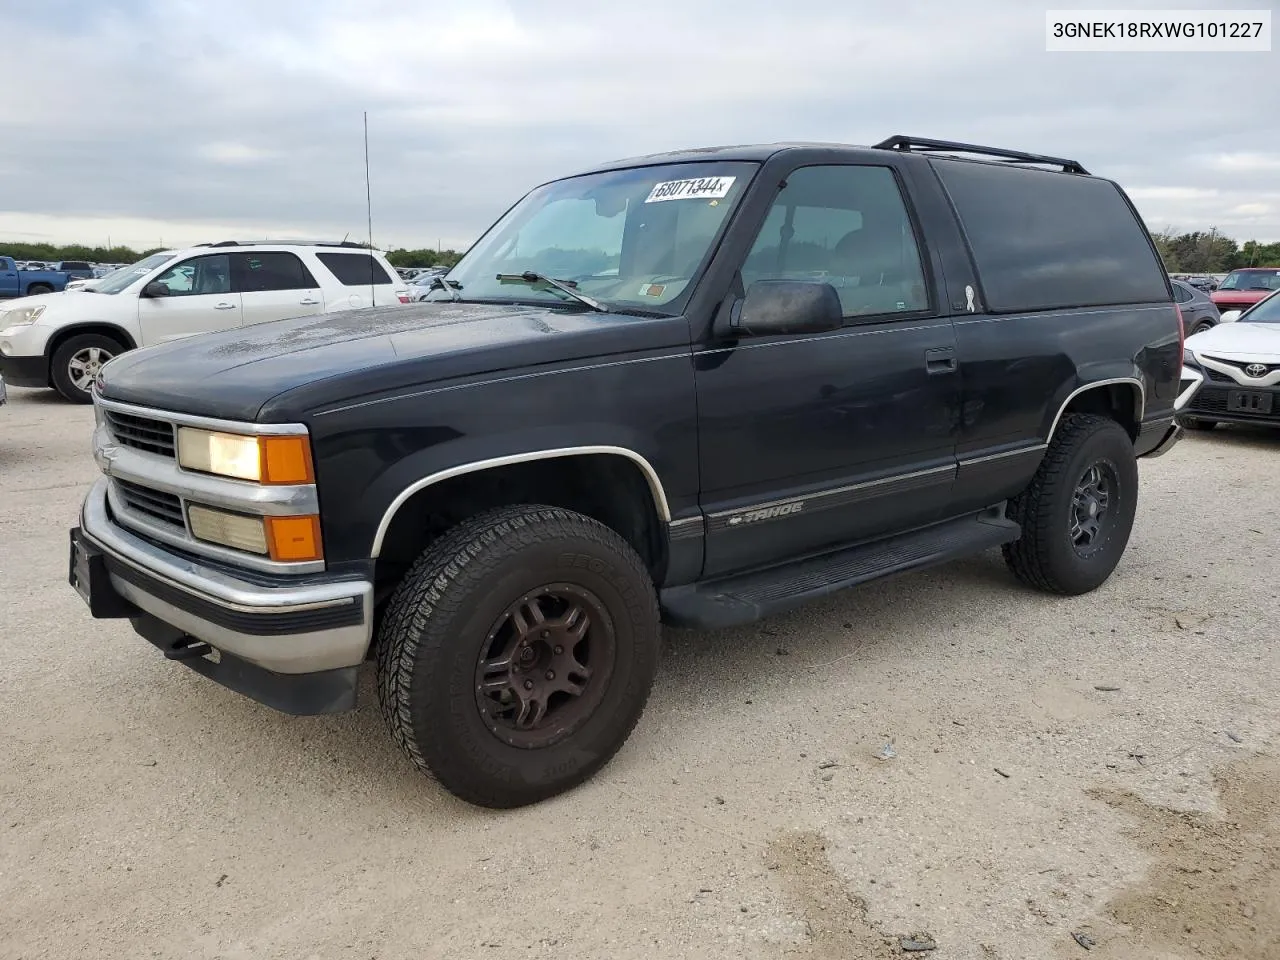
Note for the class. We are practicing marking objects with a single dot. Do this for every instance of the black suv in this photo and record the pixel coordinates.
(698, 387)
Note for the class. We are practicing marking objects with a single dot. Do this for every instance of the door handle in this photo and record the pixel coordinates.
(940, 360)
(224, 306)
(309, 302)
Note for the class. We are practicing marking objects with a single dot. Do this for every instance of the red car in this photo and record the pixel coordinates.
(1244, 287)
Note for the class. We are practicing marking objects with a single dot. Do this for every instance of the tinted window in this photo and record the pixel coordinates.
(1181, 292)
(200, 276)
(1048, 240)
(258, 272)
(847, 226)
(354, 269)
(74, 265)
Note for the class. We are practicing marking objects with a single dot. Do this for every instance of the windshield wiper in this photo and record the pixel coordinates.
(450, 287)
(530, 277)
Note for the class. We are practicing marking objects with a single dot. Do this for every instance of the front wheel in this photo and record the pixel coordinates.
(517, 654)
(1078, 510)
(77, 362)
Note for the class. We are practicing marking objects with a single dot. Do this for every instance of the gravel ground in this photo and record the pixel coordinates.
(1104, 767)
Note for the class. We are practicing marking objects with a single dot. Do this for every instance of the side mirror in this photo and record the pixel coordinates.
(155, 289)
(787, 306)
(1231, 315)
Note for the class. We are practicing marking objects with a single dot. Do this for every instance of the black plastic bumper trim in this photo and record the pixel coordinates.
(300, 694)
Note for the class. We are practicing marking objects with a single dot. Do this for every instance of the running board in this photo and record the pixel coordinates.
(747, 597)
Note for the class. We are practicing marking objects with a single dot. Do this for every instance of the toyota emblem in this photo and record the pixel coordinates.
(1256, 369)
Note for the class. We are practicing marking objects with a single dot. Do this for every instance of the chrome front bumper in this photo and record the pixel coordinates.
(286, 628)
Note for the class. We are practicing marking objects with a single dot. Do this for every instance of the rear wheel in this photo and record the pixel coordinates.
(1201, 327)
(77, 362)
(517, 654)
(1078, 510)
(36, 289)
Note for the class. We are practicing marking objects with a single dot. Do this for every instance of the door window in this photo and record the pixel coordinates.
(199, 276)
(260, 272)
(846, 226)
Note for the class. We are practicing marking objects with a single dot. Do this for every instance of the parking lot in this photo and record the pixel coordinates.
(1103, 769)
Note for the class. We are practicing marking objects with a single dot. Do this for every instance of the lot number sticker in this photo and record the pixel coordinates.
(703, 188)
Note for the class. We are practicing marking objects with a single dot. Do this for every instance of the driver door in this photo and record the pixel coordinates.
(200, 300)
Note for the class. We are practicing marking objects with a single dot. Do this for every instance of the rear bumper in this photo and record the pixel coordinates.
(24, 371)
(293, 646)
(1157, 437)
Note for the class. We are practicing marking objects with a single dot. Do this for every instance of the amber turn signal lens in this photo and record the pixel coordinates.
(294, 538)
(286, 460)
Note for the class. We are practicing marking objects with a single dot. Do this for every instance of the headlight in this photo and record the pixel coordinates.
(273, 460)
(281, 538)
(12, 319)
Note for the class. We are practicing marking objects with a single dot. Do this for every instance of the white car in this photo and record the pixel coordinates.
(1231, 373)
(60, 341)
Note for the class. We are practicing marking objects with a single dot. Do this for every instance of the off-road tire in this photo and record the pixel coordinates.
(1044, 556)
(436, 625)
(59, 372)
(1195, 423)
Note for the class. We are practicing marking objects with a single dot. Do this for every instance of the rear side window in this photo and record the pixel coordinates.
(354, 269)
(1182, 294)
(260, 272)
(1045, 241)
(74, 265)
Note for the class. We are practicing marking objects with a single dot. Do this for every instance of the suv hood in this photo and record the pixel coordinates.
(1239, 341)
(284, 370)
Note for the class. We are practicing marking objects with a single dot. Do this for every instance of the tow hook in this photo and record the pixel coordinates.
(185, 648)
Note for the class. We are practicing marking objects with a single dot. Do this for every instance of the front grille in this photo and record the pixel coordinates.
(1214, 400)
(141, 433)
(1219, 376)
(154, 504)
(1210, 400)
(1243, 364)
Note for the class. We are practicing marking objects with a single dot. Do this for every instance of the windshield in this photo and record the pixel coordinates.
(121, 279)
(633, 239)
(1251, 280)
(1264, 311)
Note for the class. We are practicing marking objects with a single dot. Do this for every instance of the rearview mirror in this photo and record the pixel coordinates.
(788, 306)
(155, 289)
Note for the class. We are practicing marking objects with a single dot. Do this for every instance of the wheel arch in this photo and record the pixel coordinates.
(1121, 398)
(612, 484)
(63, 334)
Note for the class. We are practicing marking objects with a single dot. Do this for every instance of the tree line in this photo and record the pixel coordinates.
(1196, 252)
(1211, 252)
(47, 252)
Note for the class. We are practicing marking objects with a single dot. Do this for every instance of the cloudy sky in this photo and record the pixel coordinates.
(177, 121)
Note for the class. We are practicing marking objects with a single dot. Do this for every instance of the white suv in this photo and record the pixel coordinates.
(61, 340)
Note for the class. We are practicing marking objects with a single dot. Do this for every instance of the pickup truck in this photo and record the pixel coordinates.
(31, 283)
(696, 388)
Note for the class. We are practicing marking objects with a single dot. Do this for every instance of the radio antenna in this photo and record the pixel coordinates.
(368, 206)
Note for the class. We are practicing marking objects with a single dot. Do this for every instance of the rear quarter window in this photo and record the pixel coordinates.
(1044, 241)
(354, 269)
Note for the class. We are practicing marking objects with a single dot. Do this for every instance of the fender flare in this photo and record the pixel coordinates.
(656, 489)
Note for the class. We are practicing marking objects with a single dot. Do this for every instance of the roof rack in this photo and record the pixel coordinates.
(285, 242)
(907, 144)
